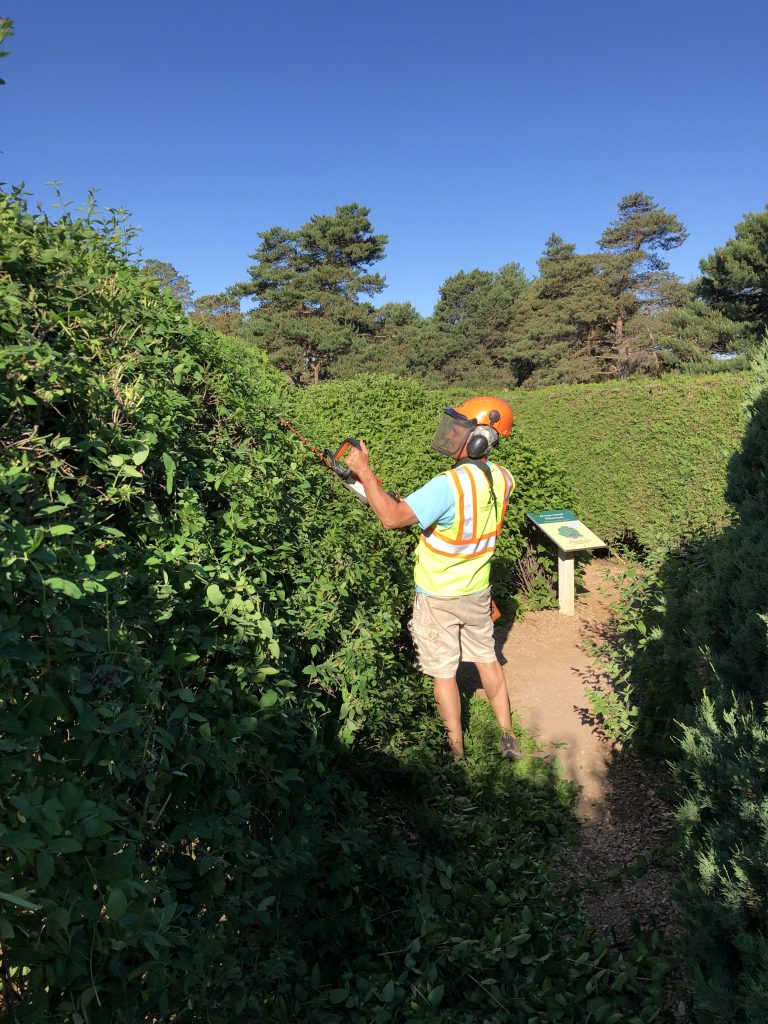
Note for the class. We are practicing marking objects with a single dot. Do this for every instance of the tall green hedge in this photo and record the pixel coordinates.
(696, 653)
(720, 593)
(222, 795)
(647, 459)
(185, 637)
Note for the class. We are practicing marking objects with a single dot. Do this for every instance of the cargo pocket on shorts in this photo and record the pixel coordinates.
(425, 645)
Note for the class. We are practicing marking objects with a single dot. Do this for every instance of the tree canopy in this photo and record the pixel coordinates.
(638, 277)
(735, 277)
(220, 312)
(169, 277)
(563, 325)
(615, 311)
(306, 284)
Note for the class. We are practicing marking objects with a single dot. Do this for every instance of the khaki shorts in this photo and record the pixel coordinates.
(447, 630)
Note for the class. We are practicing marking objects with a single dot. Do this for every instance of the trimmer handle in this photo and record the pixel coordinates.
(346, 474)
(333, 460)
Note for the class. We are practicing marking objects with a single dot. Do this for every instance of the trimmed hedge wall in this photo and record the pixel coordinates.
(693, 644)
(646, 458)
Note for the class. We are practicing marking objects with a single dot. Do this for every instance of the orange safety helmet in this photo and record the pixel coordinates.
(476, 423)
(488, 411)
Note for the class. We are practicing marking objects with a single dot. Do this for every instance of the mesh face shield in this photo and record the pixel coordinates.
(453, 431)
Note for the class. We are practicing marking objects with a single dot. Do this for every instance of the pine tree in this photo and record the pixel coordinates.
(562, 328)
(219, 312)
(306, 284)
(169, 277)
(735, 277)
(637, 276)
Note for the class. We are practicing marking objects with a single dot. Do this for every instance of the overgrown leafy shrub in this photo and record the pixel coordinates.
(220, 797)
(174, 607)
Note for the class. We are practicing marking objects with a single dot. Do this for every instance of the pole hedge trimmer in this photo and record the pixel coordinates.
(333, 461)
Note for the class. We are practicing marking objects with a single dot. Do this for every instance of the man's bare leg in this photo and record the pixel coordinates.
(495, 686)
(449, 706)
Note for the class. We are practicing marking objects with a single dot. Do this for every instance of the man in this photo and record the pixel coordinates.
(461, 513)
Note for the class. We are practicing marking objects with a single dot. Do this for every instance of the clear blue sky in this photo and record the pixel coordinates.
(471, 130)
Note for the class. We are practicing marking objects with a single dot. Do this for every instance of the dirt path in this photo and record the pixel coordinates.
(623, 858)
(547, 670)
(623, 861)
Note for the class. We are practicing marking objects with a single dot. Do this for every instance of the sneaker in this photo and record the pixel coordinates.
(510, 748)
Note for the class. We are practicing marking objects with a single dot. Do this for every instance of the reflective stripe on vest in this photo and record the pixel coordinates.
(463, 538)
(456, 560)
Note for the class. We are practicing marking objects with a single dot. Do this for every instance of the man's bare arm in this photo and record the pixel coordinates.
(392, 514)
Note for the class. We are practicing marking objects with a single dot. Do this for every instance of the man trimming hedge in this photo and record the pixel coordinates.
(461, 513)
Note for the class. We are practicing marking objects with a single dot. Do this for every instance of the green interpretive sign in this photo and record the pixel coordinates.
(567, 531)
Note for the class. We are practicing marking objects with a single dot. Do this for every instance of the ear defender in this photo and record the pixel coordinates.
(482, 441)
(477, 446)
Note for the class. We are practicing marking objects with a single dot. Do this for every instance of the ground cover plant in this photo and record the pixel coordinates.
(224, 794)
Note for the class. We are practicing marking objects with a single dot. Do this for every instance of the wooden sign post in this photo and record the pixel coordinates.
(570, 535)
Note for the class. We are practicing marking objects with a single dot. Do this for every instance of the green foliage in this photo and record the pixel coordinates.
(183, 644)
(561, 331)
(587, 317)
(711, 611)
(724, 813)
(307, 282)
(692, 648)
(169, 277)
(219, 312)
(735, 277)
(638, 278)
(459, 344)
(397, 419)
(481, 303)
(395, 333)
(631, 456)
(614, 701)
(691, 334)
(223, 790)
(613, 313)
(6, 29)
(462, 342)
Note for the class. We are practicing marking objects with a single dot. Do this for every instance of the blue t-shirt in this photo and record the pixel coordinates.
(433, 503)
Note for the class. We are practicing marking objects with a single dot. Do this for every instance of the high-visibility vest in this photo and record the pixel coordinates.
(454, 561)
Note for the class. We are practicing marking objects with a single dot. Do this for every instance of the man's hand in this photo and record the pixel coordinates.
(357, 459)
(392, 514)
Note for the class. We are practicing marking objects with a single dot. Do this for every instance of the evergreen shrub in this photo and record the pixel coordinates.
(723, 766)
(693, 644)
(647, 459)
